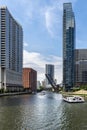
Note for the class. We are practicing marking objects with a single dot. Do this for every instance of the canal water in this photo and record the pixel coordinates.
(41, 112)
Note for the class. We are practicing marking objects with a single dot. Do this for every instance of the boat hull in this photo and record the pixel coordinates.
(74, 99)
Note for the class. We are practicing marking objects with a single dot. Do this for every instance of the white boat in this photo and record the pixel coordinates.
(42, 93)
(74, 99)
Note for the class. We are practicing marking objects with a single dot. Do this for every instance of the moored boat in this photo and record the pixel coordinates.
(74, 99)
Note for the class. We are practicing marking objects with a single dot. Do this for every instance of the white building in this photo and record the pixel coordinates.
(11, 51)
(38, 84)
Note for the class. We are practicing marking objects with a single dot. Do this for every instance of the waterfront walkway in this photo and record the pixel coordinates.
(15, 93)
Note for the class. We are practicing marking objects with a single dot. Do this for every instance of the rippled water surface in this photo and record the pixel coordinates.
(41, 112)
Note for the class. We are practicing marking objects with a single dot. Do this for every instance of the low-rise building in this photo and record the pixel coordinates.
(38, 84)
(30, 79)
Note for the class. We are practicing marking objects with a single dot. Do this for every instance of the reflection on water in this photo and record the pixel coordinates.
(41, 112)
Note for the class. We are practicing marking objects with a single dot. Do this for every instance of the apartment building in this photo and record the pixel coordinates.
(11, 51)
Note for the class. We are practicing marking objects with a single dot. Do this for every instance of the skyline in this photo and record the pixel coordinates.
(42, 26)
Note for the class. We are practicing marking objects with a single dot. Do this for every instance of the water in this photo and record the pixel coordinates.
(41, 112)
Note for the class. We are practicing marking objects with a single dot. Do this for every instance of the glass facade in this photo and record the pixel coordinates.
(49, 71)
(68, 45)
(80, 66)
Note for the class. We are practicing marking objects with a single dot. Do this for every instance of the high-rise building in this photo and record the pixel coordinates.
(49, 71)
(30, 79)
(68, 45)
(11, 51)
(81, 66)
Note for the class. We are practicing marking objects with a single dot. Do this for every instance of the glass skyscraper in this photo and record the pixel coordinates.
(68, 45)
(50, 72)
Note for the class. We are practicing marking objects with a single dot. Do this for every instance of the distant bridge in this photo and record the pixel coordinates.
(52, 82)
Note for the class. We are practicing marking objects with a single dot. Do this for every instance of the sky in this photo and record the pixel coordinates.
(41, 21)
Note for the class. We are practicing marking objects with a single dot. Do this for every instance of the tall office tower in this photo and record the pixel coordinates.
(11, 49)
(68, 45)
(81, 66)
(50, 72)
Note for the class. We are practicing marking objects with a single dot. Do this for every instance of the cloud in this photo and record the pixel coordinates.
(37, 61)
(25, 44)
(52, 21)
(53, 16)
(48, 13)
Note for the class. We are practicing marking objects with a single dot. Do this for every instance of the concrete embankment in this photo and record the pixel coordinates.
(12, 94)
(82, 93)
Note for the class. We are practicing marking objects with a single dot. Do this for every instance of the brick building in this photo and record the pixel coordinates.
(29, 79)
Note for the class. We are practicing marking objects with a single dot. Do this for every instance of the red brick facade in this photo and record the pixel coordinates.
(29, 79)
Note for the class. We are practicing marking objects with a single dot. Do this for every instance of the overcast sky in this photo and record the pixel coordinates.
(42, 29)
